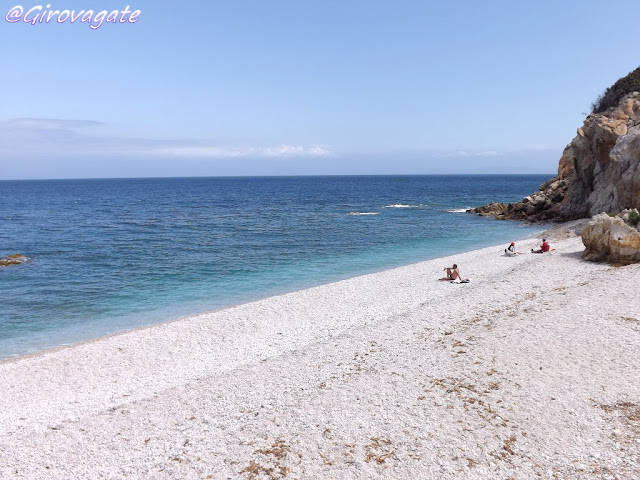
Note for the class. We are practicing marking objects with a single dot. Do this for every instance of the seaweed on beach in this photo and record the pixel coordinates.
(275, 457)
(379, 450)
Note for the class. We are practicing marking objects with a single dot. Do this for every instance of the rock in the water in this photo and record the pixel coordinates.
(15, 259)
(494, 209)
(612, 238)
(540, 206)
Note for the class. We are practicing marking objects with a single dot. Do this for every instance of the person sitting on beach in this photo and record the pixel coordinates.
(511, 250)
(452, 273)
(543, 248)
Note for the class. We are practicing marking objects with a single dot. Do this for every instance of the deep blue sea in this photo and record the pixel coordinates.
(111, 255)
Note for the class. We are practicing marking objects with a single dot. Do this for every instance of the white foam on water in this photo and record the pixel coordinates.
(457, 210)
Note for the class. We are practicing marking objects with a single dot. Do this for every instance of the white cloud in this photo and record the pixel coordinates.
(212, 151)
(540, 148)
(469, 153)
(196, 151)
(49, 123)
(43, 136)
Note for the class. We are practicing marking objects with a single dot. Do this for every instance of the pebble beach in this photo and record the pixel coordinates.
(529, 371)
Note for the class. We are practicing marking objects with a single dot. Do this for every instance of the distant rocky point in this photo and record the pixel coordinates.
(599, 170)
(15, 259)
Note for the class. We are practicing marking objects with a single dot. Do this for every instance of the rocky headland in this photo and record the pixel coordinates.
(599, 171)
(598, 176)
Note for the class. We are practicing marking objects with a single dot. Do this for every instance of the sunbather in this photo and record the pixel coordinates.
(452, 273)
(511, 250)
(543, 248)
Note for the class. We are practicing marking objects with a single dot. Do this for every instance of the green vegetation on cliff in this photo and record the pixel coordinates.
(612, 95)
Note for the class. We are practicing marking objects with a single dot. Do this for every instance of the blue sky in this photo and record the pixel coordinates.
(306, 87)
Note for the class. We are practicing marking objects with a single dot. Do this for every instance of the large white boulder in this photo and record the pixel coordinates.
(610, 238)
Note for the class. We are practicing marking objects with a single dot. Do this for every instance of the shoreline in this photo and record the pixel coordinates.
(392, 363)
(207, 312)
(57, 348)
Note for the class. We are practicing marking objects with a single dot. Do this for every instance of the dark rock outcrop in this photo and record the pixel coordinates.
(599, 171)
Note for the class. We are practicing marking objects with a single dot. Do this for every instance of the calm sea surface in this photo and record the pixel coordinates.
(111, 255)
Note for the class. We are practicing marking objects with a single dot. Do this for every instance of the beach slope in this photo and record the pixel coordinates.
(529, 371)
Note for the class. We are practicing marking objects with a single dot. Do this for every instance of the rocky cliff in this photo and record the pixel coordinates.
(599, 170)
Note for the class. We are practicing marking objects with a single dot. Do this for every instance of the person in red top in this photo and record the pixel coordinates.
(543, 248)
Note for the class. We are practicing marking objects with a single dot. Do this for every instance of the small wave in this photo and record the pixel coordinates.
(363, 213)
(400, 205)
(457, 210)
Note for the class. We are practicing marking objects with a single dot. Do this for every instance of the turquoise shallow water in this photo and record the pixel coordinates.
(111, 255)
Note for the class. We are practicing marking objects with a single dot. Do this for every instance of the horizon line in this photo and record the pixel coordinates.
(282, 176)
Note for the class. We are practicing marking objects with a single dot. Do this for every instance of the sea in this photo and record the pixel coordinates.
(110, 255)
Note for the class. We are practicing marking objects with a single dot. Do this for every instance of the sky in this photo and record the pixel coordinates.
(274, 87)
